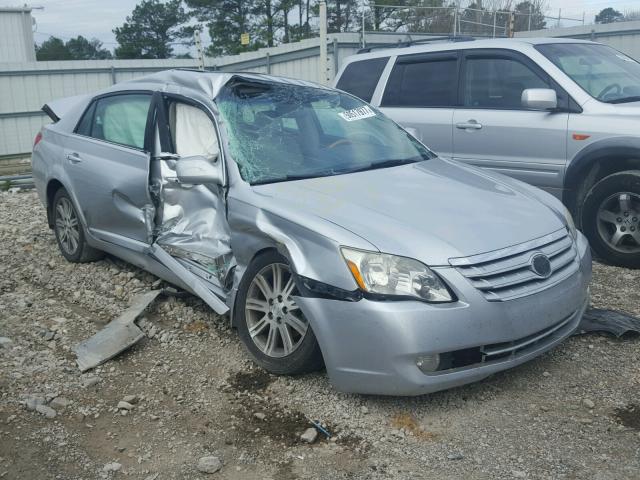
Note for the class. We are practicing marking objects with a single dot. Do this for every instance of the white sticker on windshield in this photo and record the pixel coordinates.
(357, 113)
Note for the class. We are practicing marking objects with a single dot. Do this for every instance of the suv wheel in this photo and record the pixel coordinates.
(270, 324)
(69, 232)
(611, 218)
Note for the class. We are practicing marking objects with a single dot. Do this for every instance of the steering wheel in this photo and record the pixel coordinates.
(364, 137)
(608, 88)
(342, 141)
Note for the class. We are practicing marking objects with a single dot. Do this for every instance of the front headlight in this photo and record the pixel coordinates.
(571, 226)
(390, 275)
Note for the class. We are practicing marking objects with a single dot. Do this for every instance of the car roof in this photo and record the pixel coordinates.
(205, 82)
(446, 45)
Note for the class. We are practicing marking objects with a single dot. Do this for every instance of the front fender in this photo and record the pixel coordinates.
(611, 149)
(312, 252)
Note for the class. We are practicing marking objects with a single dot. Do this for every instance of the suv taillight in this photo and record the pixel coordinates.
(36, 140)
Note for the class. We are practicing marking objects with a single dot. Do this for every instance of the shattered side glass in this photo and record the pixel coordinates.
(278, 132)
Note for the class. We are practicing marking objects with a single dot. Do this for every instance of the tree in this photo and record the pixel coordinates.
(530, 15)
(78, 48)
(434, 19)
(609, 15)
(226, 21)
(266, 22)
(53, 49)
(152, 29)
(82, 49)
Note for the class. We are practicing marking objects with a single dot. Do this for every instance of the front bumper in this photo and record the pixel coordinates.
(371, 346)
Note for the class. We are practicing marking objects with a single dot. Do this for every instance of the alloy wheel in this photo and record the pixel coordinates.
(619, 222)
(276, 324)
(67, 226)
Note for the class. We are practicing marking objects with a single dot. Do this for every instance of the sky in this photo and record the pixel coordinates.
(97, 18)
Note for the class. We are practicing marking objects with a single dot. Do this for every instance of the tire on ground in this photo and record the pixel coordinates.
(307, 357)
(620, 182)
(84, 252)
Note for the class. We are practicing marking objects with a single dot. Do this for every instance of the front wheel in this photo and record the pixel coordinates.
(611, 218)
(270, 324)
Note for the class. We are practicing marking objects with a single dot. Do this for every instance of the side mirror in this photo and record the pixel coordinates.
(539, 99)
(199, 170)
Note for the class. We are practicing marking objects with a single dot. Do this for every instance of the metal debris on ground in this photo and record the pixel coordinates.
(610, 321)
(116, 337)
(320, 428)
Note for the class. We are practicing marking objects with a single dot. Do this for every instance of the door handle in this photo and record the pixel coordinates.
(470, 125)
(74, 158)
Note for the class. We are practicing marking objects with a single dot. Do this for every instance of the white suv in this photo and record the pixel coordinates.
(557, 113)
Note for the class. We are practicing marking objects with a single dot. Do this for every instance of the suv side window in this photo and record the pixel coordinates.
(120, 119)
(423, 81)
(361, 78)
(496, 82)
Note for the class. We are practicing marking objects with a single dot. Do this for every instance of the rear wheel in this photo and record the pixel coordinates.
(69, 232)
(611, 218)
(272, 327)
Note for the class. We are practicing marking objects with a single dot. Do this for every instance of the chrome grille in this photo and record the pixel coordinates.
(526, 344)
(506, 274)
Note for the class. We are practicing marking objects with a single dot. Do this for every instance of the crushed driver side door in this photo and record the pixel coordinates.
(191, 235)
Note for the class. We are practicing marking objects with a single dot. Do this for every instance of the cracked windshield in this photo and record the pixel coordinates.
(286, 132)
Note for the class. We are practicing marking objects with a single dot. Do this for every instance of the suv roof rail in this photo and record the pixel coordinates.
(409, 43)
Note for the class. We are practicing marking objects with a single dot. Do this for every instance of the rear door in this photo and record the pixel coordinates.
(108, 165)
(421, 93)
(493, 130)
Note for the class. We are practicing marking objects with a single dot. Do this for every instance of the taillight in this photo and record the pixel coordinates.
(36, 140)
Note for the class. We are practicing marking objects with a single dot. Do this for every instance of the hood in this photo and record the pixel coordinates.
(431, 211)
(629, 108)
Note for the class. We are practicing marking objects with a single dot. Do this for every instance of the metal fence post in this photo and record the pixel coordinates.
(268, 62)
(495, 19)
(113, 75)
(455, 19)
(335, 57)
(323, 43)
(364, 42)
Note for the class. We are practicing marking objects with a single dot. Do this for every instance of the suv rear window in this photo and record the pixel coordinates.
(422, 82)
(360, 78)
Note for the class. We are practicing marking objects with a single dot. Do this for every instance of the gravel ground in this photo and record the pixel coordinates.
(191, 392)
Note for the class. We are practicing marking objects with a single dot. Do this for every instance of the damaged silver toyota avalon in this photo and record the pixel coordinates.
(330, 234)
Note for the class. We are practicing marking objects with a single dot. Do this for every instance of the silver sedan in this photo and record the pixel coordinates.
(331, 235)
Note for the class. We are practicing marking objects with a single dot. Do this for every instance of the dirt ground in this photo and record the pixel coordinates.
(574, 413)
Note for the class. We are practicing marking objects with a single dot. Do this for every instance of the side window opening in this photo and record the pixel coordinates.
(360, 78)
(498, 82)
(422, 83)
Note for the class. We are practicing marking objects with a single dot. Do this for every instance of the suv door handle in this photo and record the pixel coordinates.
(470, 125)
(74, 158)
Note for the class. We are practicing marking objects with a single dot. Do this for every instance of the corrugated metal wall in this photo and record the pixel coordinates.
(16, 35)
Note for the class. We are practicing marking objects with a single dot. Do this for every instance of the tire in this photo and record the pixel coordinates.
(611, 218)
(261, 315)
(69, 231)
